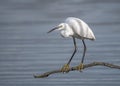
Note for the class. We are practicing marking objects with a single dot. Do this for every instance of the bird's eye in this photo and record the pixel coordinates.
(61, 26)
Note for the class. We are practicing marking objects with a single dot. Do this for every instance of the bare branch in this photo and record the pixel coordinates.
(75, 68)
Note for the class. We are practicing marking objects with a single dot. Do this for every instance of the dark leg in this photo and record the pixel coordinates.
(84, 51)
(65, 68)
(81, 66)
(75, 49)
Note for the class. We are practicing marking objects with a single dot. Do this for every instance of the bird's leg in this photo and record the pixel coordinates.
(81, 65)
(66, 67)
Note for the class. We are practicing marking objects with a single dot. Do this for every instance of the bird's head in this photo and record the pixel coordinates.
(59, 27)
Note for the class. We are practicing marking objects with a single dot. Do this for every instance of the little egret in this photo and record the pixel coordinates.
(75, 28)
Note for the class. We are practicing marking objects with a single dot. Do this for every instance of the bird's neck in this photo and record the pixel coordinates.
(67, 31)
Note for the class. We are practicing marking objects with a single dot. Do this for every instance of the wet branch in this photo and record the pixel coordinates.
(75, 68)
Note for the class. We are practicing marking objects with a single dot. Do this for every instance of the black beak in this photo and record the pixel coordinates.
(54, 29)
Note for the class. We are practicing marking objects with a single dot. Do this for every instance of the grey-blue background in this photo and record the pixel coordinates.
(26, 48)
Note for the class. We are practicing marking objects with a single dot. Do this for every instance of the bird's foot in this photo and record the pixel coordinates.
(80, 67)
(65, 68)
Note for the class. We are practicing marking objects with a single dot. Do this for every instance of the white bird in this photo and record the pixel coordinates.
(75, 28)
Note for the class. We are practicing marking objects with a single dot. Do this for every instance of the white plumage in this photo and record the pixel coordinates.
(80, 29)
(75, 28)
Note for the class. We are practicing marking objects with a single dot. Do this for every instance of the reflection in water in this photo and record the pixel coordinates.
(26, 48)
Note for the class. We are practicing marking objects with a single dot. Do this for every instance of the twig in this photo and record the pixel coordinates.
(75, 68)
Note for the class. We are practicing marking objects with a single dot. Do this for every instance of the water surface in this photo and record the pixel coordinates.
(26, 48)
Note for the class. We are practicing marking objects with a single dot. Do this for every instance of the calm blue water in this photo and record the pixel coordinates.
(26, 48)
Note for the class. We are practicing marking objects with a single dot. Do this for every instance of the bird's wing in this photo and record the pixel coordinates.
(80, 28)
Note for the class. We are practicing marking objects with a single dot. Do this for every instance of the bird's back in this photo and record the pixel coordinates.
(80, 28)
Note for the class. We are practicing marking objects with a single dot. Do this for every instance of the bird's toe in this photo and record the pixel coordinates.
(80, 67)
(65, 68)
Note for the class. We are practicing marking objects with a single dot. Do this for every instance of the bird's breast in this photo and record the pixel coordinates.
(65, 33)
